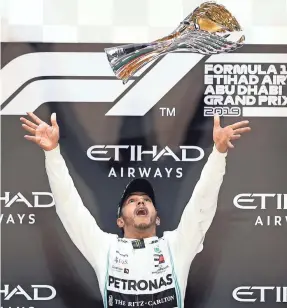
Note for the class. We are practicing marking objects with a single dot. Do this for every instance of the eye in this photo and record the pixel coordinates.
(131, 200)
(148, 199)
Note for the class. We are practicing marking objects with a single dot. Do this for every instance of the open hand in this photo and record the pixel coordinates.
(222, 136)
(46, 136)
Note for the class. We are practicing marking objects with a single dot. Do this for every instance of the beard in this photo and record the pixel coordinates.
(141, 225)
(145, 225)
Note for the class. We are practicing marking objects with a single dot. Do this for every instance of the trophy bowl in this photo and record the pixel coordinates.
(209, 29)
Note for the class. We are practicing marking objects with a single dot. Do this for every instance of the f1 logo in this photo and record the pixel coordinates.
(41, 77)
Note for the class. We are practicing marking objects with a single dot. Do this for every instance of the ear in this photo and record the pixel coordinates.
(157, 221)
(120, 222)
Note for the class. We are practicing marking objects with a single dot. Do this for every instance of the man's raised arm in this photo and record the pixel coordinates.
(199, 212)
(77, 220)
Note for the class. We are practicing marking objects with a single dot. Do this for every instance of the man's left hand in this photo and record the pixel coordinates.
(222, 136)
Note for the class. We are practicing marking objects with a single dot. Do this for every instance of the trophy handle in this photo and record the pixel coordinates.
(126, 60)
(114, 53)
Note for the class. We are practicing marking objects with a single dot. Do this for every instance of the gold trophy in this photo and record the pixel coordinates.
(209, 29)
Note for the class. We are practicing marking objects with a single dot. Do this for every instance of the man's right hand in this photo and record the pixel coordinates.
(44, 135)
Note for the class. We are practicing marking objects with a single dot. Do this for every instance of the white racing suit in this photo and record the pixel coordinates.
(139, 273)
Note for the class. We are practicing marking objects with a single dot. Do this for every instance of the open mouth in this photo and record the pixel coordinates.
(141, 212)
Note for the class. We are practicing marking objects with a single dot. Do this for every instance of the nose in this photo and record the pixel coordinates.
(141, 202)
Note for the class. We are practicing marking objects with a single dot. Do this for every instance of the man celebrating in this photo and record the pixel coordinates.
(140, 269)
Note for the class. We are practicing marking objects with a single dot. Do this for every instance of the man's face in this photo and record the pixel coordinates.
(138, 211)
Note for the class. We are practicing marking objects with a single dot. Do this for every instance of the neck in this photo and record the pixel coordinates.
(139, 234)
